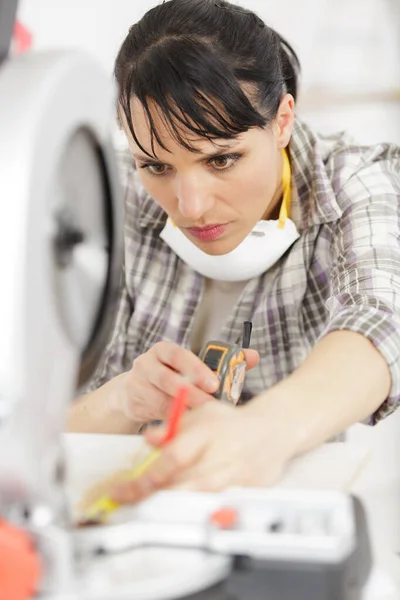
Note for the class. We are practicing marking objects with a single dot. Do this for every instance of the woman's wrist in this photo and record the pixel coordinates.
(276, 409)
(117, 396)
(102, 411)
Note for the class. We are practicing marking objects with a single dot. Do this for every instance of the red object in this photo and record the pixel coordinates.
(178, 407)
(224, 518)
(22, 38)
(20, 565)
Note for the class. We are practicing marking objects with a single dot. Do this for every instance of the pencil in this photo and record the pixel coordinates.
(101, 508)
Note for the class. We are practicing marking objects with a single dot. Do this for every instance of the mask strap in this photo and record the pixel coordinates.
(287, 190)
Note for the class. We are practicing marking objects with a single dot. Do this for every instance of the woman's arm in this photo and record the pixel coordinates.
(344, 380)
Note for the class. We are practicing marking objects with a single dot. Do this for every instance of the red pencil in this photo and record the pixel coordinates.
(178, 407)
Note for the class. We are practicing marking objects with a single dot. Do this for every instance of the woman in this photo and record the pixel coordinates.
(268, 222)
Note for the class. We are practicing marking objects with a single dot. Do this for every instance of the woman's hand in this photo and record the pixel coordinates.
(157, 375)
(218, 446)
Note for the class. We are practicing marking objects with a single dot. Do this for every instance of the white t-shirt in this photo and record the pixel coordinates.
(218, 301)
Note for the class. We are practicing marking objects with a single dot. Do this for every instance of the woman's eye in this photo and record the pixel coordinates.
(220, 163)
(156, 169)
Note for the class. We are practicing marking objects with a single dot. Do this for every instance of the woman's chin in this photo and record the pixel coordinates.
(218, 247)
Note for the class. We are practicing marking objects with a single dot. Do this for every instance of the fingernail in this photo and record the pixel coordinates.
(212, 384)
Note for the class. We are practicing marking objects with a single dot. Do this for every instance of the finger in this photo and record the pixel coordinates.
(176, 456)
(183, 453)
(197, 397)
(156, 478)
(188, 364)
(175, 459)
(169, 382)
(154, 435)
(252, 358)
(213, 472)
(134, 491)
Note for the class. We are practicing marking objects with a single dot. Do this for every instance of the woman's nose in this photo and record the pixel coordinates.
(195, 198)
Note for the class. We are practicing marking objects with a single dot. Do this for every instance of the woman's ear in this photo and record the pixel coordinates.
(284, 121)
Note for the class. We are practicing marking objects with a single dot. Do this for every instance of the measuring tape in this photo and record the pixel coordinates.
(228, 362)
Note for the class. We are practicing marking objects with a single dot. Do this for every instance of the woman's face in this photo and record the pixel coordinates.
(218, 194)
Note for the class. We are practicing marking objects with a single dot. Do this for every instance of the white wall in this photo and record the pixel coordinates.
(347, 45)
(97, 26)
(346, 42)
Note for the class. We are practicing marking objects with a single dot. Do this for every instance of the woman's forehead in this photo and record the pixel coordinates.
(145, 125)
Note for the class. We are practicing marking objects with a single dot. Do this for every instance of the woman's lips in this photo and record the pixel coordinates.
(209, 233)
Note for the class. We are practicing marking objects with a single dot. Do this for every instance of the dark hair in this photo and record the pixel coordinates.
(209, 67)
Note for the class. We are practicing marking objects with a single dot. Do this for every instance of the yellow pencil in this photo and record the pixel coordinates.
(101, 508)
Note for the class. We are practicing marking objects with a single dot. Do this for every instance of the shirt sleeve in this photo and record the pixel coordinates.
(365, 277)
(112, 361)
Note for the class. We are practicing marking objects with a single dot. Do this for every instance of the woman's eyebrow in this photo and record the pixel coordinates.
(220, 150)
(202, 155)
(144, 157)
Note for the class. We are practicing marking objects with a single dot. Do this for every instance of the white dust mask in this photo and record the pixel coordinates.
(259, 251)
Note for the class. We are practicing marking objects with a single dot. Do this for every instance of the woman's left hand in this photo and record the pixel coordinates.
(218, 446)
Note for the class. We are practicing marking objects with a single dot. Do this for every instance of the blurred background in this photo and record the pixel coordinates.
(350, 53)
(349, 50)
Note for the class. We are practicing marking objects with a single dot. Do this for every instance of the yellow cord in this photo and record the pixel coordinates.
(287, 190)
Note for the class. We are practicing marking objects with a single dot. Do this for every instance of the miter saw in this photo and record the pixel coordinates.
(61, 254)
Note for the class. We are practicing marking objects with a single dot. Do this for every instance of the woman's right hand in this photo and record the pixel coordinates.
(155, 378)
(143, 394)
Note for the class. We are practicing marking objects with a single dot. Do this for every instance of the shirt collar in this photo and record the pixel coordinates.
(313, 198)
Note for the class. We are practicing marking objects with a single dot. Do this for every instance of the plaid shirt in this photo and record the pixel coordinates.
(343, 273)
